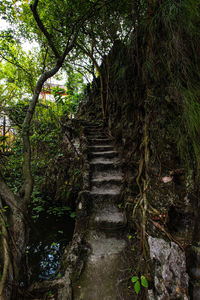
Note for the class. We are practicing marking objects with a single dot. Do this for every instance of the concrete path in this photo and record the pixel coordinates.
(101, 277)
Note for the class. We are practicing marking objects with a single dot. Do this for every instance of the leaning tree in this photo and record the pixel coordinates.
(55, 25)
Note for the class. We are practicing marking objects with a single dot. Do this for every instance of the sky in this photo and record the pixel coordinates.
(27, 46)
(3, 24)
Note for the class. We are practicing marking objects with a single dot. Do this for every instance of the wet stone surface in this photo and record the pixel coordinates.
(102, 273)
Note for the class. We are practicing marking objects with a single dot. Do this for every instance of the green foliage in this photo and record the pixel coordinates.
(138, 282)
(40, 205)
(144, 281)
(50, 293)
(73, 215)
(12, 167)
(17, 111)
(158, 69)
(58, 211)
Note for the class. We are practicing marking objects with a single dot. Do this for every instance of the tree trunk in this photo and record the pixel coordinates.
(15, 227)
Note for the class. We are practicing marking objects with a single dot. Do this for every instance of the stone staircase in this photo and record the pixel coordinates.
(106, 261)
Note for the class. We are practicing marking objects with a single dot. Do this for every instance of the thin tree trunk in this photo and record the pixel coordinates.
(18, 230)
(4, 133)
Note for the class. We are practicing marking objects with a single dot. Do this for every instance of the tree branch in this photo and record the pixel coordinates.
(44, 60)
(6, 194)
(6, 257)
(42, 28)
(28, 181)
(15, 64)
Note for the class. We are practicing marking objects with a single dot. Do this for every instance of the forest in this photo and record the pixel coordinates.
(99, 149)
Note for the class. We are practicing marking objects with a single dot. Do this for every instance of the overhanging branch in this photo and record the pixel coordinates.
(43, 28)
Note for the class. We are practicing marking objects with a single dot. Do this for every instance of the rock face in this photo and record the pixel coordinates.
(170, 277)
(100, 278)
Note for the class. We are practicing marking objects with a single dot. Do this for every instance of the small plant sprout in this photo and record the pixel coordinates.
(5, 209)
(132, 236)
(138, 282)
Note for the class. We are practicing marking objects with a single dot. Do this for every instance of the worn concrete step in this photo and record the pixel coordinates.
(94, 129)
(102, 272)
(106, 154)
(100, 141)
(107, 189)
(99, 200)
(96, 135)
(103, 148)
(106, 174)
(110, 217)
(106, 181)
(104, 167)
(104, 160)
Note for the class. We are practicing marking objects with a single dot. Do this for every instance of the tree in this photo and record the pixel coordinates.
(56, 27)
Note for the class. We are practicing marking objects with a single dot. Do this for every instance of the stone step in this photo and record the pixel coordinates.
(106, 181)
(102, 148)
(94, 129)
(99, 199)
(109, 217)
(103, 269)
(96, 135)
(106, 154)
(104, 166)
(104, 160)
(111, 189)
(106, 174)
(100, 141)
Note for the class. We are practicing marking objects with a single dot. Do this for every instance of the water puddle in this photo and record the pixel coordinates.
(48, 239)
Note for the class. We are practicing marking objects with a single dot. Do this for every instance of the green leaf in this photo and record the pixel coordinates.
(38, 208)
(144, 281)
(68, 194)
(73, 215)
(137, 287)
(134, 278)
(54, 244)
(67, 208)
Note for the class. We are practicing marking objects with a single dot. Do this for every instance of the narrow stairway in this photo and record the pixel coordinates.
(103, 272)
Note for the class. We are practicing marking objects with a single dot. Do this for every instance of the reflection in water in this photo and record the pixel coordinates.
(47, 242)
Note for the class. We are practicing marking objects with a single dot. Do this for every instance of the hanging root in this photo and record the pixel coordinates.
(142, 181)
(170, 237)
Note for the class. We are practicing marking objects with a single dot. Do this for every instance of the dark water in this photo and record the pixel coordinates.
(48, 239)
